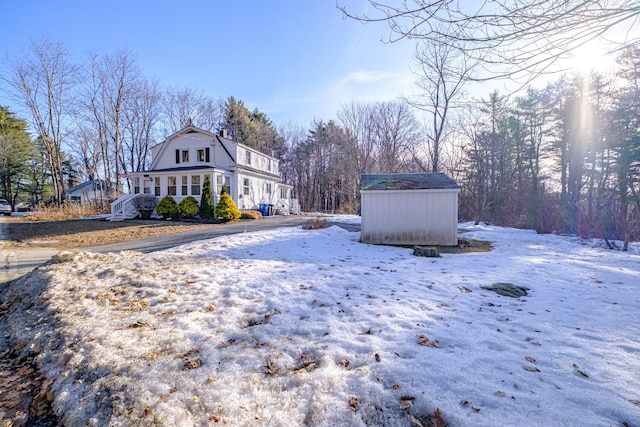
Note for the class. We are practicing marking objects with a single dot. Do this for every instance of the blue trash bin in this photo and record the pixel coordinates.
(264, 209)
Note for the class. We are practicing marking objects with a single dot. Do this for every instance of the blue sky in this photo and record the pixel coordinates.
(296, 60)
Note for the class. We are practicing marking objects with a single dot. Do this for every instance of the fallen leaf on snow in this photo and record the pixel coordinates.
(406, 404)
(353, 404)
(634, 401)
(499, 394)
(436, 420)
(530, 359)
(530, 368)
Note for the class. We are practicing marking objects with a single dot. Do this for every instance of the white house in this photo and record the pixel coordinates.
(182, 161)
(409, 209)
(88, 192)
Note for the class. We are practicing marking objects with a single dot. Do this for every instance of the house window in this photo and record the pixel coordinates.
(248, 157)
(223, 181)
(171, 187)
(157, 186)
(195, 185)
(136, 185)
(284, 193)
(267, 188)
(268, 165)
(185, 185)
(203, 154)
(185, 156)
(245, 186)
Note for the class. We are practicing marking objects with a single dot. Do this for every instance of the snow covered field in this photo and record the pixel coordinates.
(293, 327)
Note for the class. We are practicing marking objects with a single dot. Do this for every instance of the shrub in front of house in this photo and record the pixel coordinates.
(188, 207)
(226, 208)
(206, 200)
(167, 207)
(145, 204)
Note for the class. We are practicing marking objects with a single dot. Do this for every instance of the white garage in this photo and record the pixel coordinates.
(409, 209)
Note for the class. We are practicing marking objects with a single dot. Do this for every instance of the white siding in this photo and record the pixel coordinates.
(191, 143)
(258, 193)
(410, 217)
(259, 161)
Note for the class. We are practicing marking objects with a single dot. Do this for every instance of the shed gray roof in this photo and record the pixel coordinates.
(407, 181)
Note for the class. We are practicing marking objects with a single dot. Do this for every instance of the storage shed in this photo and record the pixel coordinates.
(409, 209)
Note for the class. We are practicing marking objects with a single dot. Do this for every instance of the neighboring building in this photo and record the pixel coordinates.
(180, 164)
(89, 192)
(409, 209)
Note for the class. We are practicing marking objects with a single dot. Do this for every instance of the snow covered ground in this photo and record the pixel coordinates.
(293, 327)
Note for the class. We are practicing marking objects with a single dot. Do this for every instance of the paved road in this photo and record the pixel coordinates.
(16, 262)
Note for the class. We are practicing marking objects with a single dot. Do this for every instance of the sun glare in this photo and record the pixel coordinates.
(589, 57)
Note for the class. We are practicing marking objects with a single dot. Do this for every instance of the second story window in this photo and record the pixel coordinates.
(248, 157)
(185, 156)
(203, 155)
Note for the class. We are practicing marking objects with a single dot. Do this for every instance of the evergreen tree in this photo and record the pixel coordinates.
(206, 201)
(252, 128)
(16, 150)
(226, 208)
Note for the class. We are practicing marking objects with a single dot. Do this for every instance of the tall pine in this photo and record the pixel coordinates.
(206, 201)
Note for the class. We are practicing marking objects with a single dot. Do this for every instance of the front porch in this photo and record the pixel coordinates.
(125, 208)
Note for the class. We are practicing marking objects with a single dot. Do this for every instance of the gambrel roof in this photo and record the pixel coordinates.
(407, 181)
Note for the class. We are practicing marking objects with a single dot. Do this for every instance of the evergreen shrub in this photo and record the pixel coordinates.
(188, 207)
(226, 208)
(167, 207)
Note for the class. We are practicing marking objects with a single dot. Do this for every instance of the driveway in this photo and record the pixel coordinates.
(17, 262)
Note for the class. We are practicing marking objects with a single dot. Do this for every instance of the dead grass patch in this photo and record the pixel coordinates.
(77, 233)
(315, 224)
(66, 212)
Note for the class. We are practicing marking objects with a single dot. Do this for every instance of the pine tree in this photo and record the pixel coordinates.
(206, 201)
(226, 208)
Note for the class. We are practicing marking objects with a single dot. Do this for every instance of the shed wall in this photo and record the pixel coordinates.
(410, 217)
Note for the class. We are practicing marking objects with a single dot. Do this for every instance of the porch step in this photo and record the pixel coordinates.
(122, 216)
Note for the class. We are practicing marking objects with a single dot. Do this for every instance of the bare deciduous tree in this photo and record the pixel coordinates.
(185, 106)
(443, 72)
(513, 38)
(42, 82)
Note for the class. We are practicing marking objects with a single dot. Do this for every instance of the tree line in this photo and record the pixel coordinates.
(564, 157)
(561, 158)
(98, 117)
